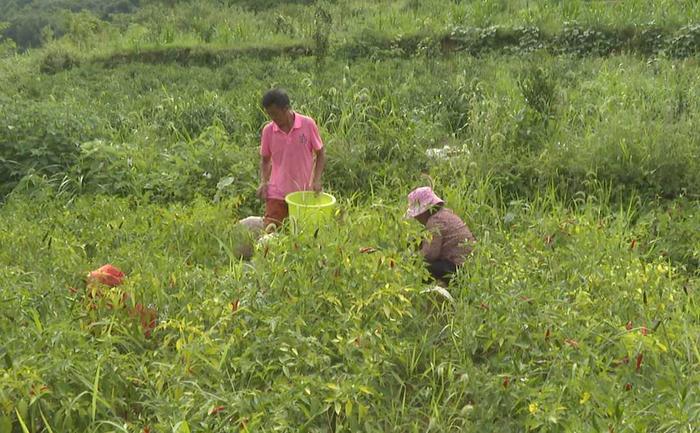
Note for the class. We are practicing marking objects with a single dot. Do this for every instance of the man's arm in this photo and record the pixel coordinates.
(265, 171)
(318, 169)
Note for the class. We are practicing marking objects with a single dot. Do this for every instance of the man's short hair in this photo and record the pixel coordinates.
(277, 97)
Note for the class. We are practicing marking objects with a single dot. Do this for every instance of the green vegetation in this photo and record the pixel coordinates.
(108, 25)
(566, 135)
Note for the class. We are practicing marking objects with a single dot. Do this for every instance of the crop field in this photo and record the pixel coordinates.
(564, 133)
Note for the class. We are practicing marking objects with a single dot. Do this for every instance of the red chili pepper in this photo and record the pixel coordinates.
(633, 244)
(628, 387)
(628, 326)
(506, 381)
(148, 317)
(215, 410)
(42, 389)
(148, 327)
(572, 343)
(639, 361)
(644, 330)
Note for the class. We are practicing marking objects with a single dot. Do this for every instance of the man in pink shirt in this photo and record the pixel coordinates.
(292, 156)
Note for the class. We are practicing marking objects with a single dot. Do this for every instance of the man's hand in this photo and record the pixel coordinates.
(265, 171)
(319, 166)
(262, 191)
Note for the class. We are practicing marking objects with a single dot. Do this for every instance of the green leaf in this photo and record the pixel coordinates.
(365, 390)
(5, 424)
(46, 423)
(21, 422)
(362, 411)
(181, 427)
(6, 357)
(37, 320)
(95, 391)
(337, 407)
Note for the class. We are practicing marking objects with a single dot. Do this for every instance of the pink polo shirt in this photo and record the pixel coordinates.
(293, 155)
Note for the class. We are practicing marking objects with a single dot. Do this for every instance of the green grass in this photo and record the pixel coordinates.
(522, 122)
(211, 23)
(327, 336)
(137, 146)
(205, 22)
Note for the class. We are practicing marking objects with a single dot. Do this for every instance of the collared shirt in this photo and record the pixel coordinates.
(292, 154)
(451, 238)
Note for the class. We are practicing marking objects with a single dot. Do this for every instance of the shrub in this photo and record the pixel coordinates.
(42, 137)
(57, 58)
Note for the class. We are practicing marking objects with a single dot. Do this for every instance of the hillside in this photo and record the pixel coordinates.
(563, 133)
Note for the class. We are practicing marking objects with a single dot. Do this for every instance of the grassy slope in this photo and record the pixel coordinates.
(326, 337)
(313, 327)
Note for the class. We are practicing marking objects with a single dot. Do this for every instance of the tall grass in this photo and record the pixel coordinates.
(214, 24)
(315, 333)
(578, 176)
(618, 120)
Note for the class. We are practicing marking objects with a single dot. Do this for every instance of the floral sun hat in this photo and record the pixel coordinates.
(420, 200)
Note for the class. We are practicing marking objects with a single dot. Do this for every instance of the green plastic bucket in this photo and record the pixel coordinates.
(309, 207)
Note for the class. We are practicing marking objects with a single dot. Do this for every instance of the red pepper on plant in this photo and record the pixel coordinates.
(216, 409)
(640, 357)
